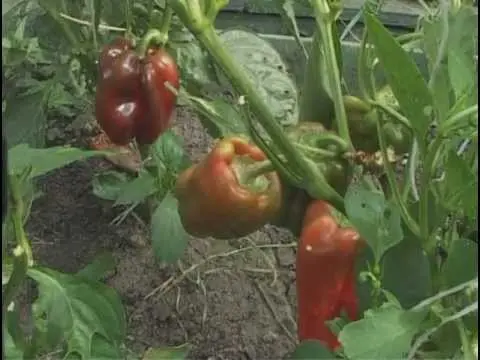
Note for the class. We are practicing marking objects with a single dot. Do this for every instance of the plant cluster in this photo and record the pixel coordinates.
(386, 263)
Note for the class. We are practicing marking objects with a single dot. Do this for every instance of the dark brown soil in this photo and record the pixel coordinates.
(228, 303)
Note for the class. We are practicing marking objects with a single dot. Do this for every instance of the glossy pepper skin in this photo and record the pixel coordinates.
(132, 100)
(212, 201)
(325, 273)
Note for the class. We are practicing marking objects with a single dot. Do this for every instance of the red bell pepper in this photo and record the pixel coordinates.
(132, 100)
(213, 200)
(325, 273)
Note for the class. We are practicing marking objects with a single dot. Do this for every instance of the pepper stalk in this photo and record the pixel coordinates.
(190, 13)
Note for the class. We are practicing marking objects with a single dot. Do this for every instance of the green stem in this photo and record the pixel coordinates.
(425, 177)
(22, 253)
(324, 20)
(243, 85)
(362, 68)
(392, 182)
(392, 112)
(166, 21)
(253, 171)
(317, 151)
(466, 344)
(152, 36)
(404, 38)
(451, 123)
(331, 139)
(213, 8)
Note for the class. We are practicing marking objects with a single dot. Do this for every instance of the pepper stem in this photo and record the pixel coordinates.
(152, 36)
(251, 175)
(255, 170)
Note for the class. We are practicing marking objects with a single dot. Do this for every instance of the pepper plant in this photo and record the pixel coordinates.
(318, 160)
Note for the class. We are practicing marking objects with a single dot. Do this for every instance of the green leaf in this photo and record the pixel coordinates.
(169, 238)
(25, 119)
(168, 151)
(76, 310)
(461, 264)
(98, 268)
(167, 353)
(136, 190)
(403, 76)
(384, 333)
(432, 29)
(43, 161)
(459, 187)
(315, 102)
(311, 350)
(219, 117)
(266, 69)
(11, 351)
(107, 185)
(462, 47)
(198, 72)
(377, 220)
(405, 270)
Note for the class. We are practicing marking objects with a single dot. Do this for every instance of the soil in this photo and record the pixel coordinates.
(233, 302)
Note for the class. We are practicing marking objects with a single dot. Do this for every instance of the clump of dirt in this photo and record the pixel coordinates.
(228, 299)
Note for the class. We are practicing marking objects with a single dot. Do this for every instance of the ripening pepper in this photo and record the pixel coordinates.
(218, 199)
(325, 273)
(132, 100)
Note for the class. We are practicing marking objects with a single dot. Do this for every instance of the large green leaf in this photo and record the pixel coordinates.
(108, 185)
(11, 351)
(98, 268)
(267, 71)
(432, 28)
(169, 238)
(384, 333)
(198, 72)
(169, 153)
(462, 263)
(403, 76)
(311, 350)
(42, 161)
(77, 309)
(406, 273)
(136, 190)
(462, 48)
(458, 190)
(25, 119)
(377, 220)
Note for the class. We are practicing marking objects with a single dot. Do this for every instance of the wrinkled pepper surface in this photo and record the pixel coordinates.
(325, 273)
(215, 201)
(132, 100)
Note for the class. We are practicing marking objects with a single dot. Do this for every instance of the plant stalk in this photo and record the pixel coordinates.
(324, 19)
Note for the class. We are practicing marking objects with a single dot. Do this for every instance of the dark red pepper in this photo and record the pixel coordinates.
(325, 273)
(132, 100)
